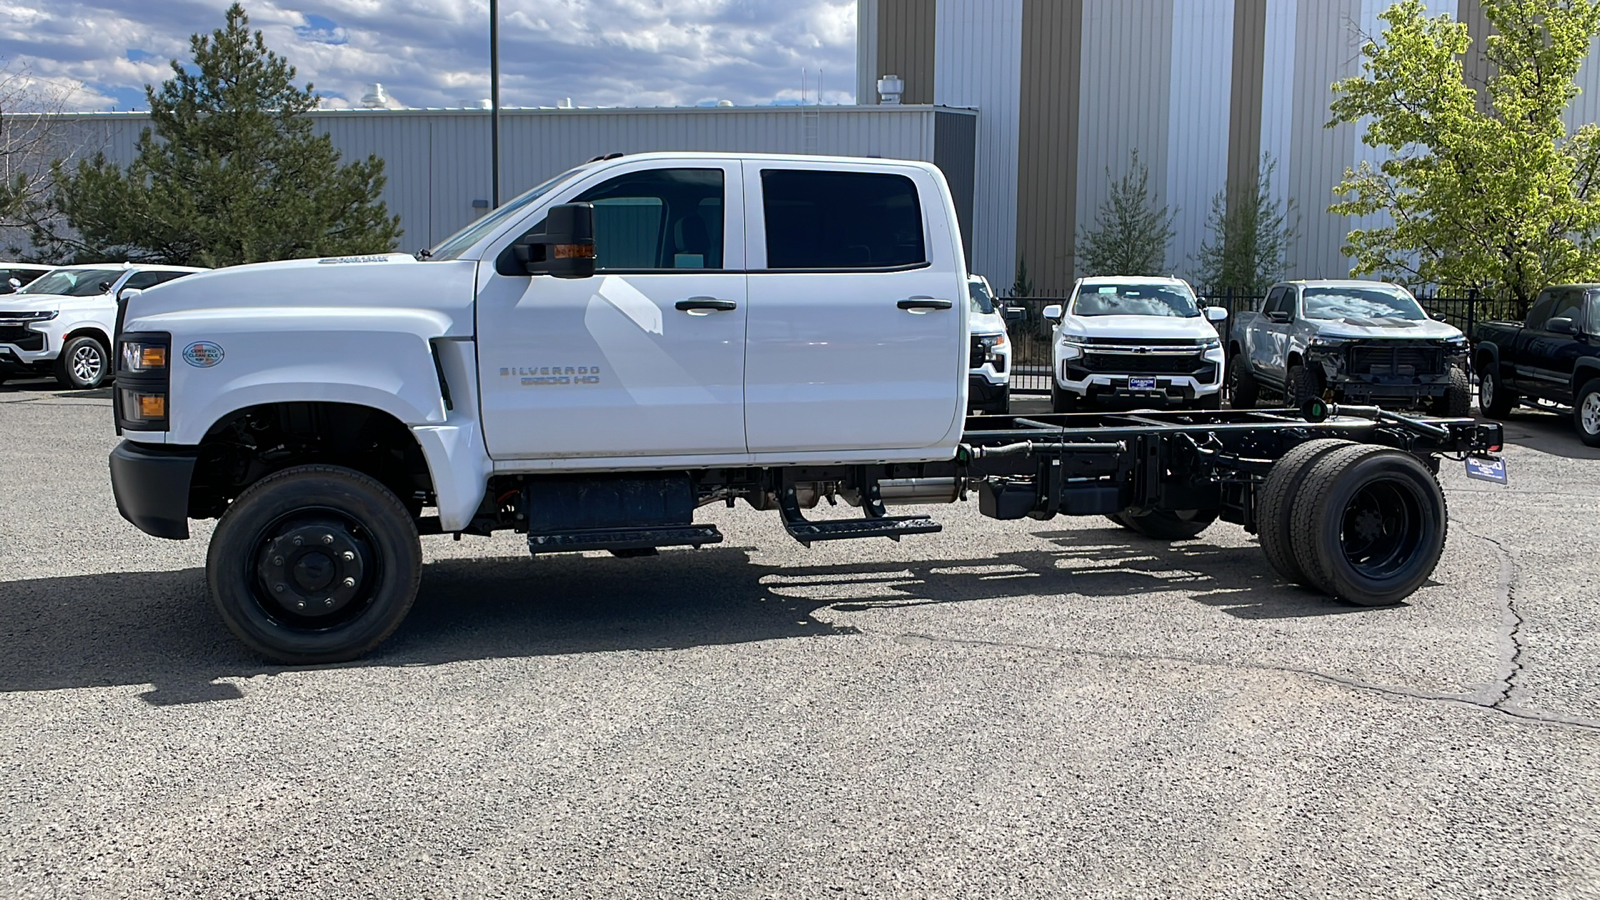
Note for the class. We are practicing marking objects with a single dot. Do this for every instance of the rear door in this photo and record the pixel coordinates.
(858, 304)
(646, 358)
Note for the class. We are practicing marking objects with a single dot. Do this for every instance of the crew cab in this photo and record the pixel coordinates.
(989, 360)
(1349, 341)
(62, 322)
(1135, 341)
(643, 336)
(1553, 355)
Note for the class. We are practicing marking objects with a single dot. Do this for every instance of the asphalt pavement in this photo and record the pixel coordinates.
(1004, 709)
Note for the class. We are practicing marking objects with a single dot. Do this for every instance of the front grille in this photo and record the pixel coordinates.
(1143, 363)
(1400, 360)
(22, 336)
(1141, 342)
(979, 354)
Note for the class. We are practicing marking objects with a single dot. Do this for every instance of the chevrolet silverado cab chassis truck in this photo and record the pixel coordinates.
(645, 335)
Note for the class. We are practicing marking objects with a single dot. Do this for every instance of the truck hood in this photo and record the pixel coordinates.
(12, 303)
(986, 323)
(379, 282)
(1385, 329)
(1136, 327)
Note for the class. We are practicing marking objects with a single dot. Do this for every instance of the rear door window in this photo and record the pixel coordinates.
(841, 220)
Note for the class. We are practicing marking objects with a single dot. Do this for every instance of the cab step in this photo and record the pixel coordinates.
(624, 539)
(843, 529)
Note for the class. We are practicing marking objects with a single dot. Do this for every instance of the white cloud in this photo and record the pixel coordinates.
(435, 52)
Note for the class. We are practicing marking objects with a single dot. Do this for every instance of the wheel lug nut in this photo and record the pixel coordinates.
(348, 582)
(278, 588)
(300, 603)
(327, 539)
(297, 542)
(328, 602)
(277, 560)
(349, 554)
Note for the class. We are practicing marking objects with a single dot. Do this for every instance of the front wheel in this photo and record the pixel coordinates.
(1300, 387)
(1061, 400)
(1243, 390)
(1495, 400)
(1456, 402)
(1586, 412)
(314, 564)
(84, 363)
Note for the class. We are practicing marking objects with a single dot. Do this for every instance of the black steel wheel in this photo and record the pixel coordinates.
(1456, 402)
(1586, 412)
(314, 564)
(1170, 525)
(1274, 500)
(1368, 524)
(1495, 400)
(1243, 390)
(1300, 387)
(84, 363)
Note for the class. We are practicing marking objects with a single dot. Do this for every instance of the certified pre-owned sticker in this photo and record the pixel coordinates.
(202, 354)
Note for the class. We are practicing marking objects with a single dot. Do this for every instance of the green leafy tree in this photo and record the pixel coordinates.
(1130, 232)
(1247, 243)
(230, 173)
(1490, 193)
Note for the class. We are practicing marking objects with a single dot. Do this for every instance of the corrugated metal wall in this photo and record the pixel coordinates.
(906, 36)
(955, 153)
(1197, 130)
(437, 161)
(1326, 50)
(978, 65)
(1047, 166)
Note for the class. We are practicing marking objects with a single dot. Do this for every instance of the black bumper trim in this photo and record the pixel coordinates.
(981, 395)
(151, 485)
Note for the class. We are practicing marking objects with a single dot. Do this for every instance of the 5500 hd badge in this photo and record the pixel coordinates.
(535, 376)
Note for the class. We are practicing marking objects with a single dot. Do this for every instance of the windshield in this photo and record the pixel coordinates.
(1135, 300)
(456, 244)
(73, 282)
(1361, 303)
(978, 295)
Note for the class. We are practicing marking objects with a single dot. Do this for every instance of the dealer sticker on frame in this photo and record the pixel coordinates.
(1485, 469)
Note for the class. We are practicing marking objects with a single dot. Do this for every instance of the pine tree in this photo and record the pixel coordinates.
(231, 172)
(1130, 233)
(1247, 245)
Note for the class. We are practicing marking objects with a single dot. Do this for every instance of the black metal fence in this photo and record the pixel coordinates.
(1031, 331)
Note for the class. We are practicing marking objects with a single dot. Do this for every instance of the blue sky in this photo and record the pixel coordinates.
(99, 54)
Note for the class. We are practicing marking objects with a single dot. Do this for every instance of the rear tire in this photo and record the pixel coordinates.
(84, 363)
(1276, 500)
(1456, 402)
(1495, 400)
(1243, 389)
(1170, 525)
(1586, 412)
(314, 564)
(1300, 387)
(1369, 524)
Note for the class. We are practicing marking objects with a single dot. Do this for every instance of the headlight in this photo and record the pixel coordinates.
(991, 341)
(1326, 343)
(138, 356)
(29, 317)
(1211, 344)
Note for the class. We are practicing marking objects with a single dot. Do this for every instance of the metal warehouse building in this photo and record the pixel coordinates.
(1025, 105)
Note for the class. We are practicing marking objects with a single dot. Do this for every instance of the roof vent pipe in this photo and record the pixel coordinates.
(890, 87)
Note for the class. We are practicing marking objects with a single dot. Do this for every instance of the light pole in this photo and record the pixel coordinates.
(494, 102)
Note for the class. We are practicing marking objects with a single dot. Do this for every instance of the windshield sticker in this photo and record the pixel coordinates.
(339, 260)
(202, 354)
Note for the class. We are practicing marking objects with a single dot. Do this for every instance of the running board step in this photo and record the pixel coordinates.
(624, 538)
(843, 529)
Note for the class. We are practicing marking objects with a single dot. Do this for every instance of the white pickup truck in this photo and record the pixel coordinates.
(645, 335)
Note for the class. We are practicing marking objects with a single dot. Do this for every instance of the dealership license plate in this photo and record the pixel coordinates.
(1141, 384)
(1485, 469)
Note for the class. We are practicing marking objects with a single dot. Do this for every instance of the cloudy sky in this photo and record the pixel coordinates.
(101, 53)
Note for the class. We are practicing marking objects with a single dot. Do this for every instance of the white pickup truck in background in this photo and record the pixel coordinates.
(643, 336)
(989, 373)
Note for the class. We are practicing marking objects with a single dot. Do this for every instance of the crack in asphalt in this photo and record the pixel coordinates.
(1512, 621)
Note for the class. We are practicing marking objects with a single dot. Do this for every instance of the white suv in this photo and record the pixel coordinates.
(989, 357)
(1134, 341)
(62, 322)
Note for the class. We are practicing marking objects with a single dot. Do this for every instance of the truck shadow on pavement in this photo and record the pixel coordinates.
(159, 628)
(1547, 432)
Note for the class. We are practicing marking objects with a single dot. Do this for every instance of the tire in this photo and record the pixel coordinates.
(1003, 408)
(1169, 525)
(359, 532)
(1062, 401)
(84, 363)
(1456, 403)
(1274, 503)
(1586, 412)
(1495, 400)
(1243, 389)
(1209, 401)
(1299, 387)
(1369, 524)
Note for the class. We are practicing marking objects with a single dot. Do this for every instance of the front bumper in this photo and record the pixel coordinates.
(984, 395)
(151, 485)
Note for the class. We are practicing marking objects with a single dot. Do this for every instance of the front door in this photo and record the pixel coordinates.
(1268, 341)
(645, 358)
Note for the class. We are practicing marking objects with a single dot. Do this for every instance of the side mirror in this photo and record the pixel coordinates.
(1216, 313)
(14, 282)
(1053, 311)
(565, 249)
(1278, 316)
(1561, 325)
(126, 294)
(104, 286)
(1013, 314)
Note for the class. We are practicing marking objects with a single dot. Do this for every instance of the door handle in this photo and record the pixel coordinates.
(705, 305)
(924, 303)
